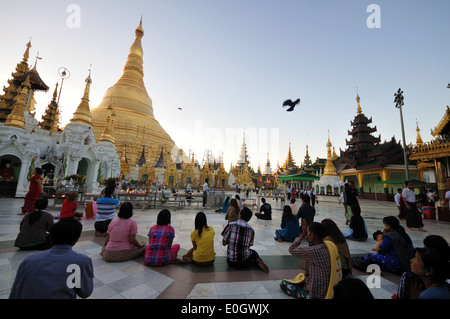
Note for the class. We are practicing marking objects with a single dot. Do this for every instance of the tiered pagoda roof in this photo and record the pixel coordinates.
(364, 150)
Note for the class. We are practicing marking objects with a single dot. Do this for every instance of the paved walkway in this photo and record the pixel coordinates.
(135, 280)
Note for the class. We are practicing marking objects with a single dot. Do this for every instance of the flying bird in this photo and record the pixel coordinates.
(291, 104)
(180, 109)
(448, 86)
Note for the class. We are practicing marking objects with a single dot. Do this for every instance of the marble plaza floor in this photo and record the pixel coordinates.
(135, 280)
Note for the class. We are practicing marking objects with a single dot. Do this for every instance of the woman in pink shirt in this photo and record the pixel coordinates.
(121, 243)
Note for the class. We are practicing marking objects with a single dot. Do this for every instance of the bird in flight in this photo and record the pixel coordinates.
(180, 109)
(290, 104)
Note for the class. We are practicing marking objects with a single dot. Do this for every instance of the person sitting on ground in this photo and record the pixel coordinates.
(396, 249)
(358, 228)
(305, 214)
(233, 211)
(265, 212)
(69, 207)
(202, 253)
(91, 209)
(322, 270)
(294, 207)
(58, 272)
(352, 288)
(290, 228)
(239, 237)
(120, 243)
(411, 285)
(35, 227)
(335, 235)
(225, 205)
(106, 210)
(161, 251)
(433, 268)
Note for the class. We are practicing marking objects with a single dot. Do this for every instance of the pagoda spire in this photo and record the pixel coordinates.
(17, 118)
(7, 100)
(83, 113)
(358, 109)
(419, 141)
(243, 156)
(330, 169)
(107, 135)
(268, 169)
(289, 165)
(51, 116)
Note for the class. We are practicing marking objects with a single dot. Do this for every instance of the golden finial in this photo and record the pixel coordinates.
(139, 29)
(26, 55)
(419, 141)
(83, 112)
(358, 110)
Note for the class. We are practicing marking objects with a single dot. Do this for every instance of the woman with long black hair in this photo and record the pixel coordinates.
(202, 252)
(35, 228)
(396, 249)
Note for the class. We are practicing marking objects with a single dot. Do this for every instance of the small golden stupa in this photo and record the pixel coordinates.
(135, 126)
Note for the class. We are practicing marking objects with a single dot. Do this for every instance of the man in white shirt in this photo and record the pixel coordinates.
(205, 191)
(399, 202)
(413, 216)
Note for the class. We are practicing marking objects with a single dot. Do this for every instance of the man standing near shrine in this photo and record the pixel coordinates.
(205, 191)
(413, 216)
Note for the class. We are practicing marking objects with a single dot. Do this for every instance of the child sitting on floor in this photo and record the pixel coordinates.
(91, 209)
(378, 237)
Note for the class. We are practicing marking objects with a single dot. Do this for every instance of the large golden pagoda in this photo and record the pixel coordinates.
(135, 125)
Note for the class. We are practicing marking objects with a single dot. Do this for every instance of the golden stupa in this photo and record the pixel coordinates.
(135, 128)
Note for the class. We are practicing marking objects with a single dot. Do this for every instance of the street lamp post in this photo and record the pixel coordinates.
(399, 103)
(64, 74)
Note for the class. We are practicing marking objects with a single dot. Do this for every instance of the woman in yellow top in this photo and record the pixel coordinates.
(202, 253)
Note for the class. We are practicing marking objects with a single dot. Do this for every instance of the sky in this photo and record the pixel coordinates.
(230, 65)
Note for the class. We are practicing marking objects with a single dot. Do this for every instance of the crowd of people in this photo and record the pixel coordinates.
(326, 259)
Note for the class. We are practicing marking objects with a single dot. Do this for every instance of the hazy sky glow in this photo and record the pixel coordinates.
(231, 64)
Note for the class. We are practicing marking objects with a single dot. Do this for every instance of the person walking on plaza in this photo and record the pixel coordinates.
(239, 237)
(343, 200)
(352, 195)
(400, 204)
(120, 243)
(265, 211)
(413, 216)
(35, 190)
(106, 210)
(205, 191)
(58, 272)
